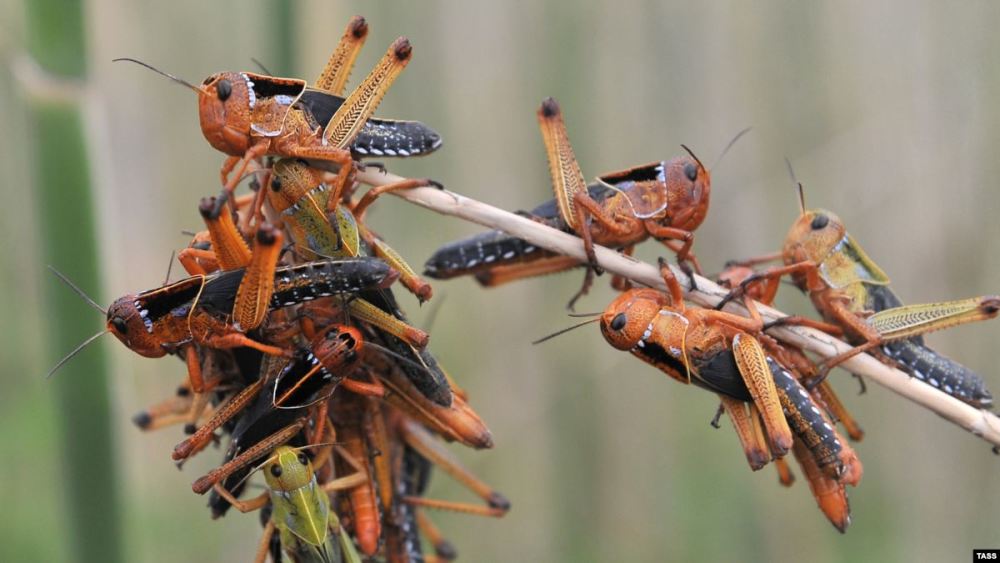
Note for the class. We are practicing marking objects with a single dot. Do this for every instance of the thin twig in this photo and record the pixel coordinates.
(979, 422)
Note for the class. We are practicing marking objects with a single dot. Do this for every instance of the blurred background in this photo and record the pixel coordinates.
(888, 113)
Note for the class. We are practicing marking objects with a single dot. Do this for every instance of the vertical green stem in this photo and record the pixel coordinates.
(67, 222)
(281, 26)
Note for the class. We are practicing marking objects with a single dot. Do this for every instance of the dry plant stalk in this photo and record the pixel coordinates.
(979, 422)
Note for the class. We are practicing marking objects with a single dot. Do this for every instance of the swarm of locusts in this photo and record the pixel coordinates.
(775, 394)
(299, 359)
(297, 354)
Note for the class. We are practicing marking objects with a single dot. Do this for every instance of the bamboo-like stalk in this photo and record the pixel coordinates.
(56, 60)
(280, 25)
(979, 422)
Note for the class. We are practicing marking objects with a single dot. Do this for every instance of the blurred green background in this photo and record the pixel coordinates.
(888, 113)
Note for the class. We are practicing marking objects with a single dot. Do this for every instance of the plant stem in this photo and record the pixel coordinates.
(979, 422)
(66, 220)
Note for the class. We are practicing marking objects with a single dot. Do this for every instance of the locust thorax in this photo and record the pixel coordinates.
(625, 321)
(689, 187)
(130, 323)
(225, 106)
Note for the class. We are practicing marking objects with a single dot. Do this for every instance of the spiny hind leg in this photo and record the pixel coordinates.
(756, 374)
(352, 115)
(338, 68)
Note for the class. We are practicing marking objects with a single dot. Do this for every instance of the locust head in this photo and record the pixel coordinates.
(689, 186)
(129, 321)
(814, 236)
(625, 322)
(225, 106)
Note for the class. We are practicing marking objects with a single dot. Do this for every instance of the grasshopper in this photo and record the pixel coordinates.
(247, 115)
(793, 358)
(720, 352)
(664, 200)
(852, 295)
(195, 310)
(333, 356)
(296, 192)
(275, 403)
(300, 508)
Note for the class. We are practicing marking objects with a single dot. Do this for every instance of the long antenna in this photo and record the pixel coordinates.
(74, 352)
(78, 291)
(170, 266)
(160, 72)
(729, 146)
(802, 195)
(694, 156)
(564, 331)
(261, 66)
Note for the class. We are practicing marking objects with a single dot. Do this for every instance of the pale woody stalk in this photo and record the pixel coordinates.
(979, 422)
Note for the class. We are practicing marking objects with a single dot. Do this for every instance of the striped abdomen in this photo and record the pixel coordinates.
(313, 280)
(388, 137)
(916, 359)
(480, 252)
(491, 249)
(807, 421)
(939, 371)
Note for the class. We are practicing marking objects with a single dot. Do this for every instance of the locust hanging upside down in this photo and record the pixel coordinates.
(720, 352)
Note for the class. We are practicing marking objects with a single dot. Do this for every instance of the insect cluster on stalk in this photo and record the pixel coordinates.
(293, 342)
(775, 395)
(297, 352)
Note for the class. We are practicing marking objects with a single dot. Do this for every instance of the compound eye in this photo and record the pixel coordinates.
(119, 324)
(224, 89)
(619, 321)
(303, 459)
(691, 171)
(819, 222)
(276, 470)
(275, 184)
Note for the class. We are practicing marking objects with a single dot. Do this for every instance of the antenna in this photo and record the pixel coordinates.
(802, 195)
(730, 145)
(160, 72)
(78, 291)
(694, 156)
(75, 352)
(565, 330)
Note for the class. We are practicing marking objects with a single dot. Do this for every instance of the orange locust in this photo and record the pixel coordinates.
(852, 295)
(664, 200)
